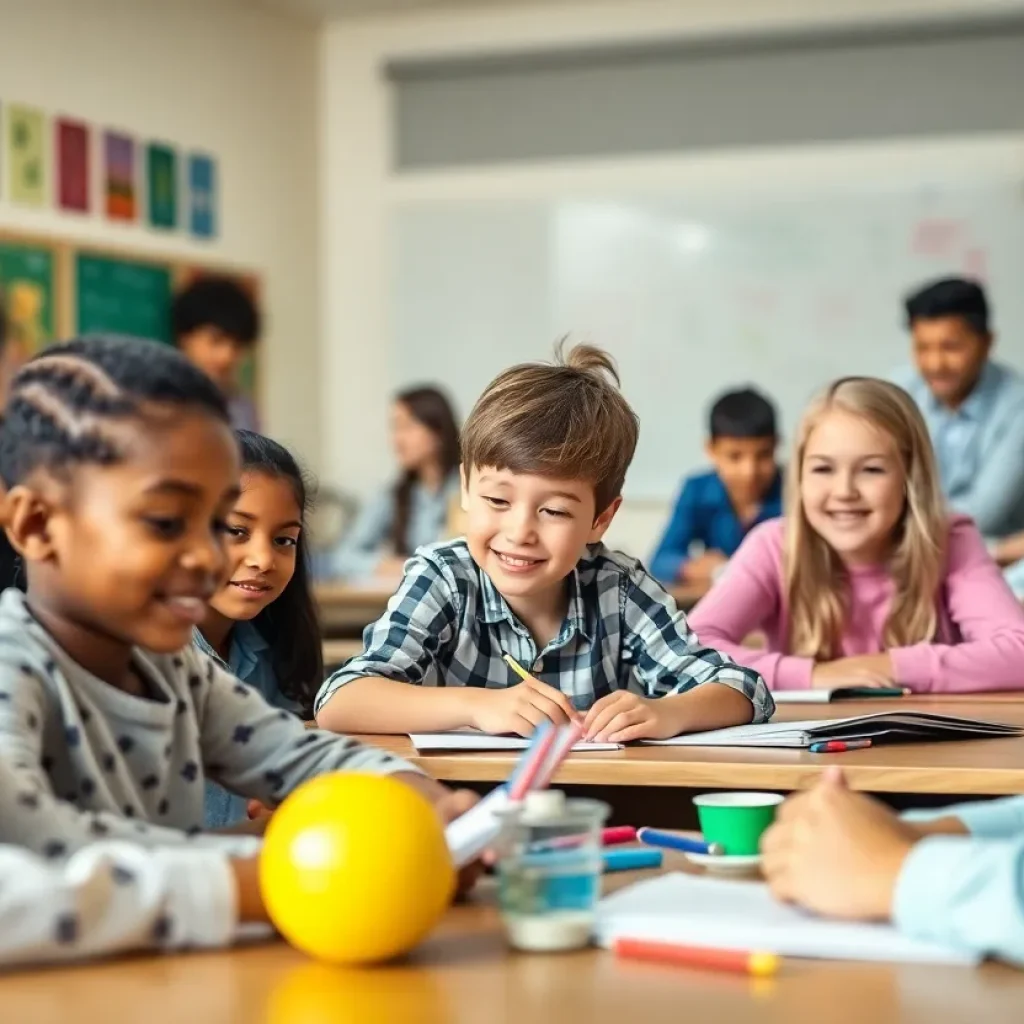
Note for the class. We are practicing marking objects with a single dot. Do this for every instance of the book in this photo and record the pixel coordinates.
(884, 727)
(838, 693)
(470, 739)
(723, 914)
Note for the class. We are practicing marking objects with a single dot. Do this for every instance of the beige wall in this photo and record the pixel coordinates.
(224, 79)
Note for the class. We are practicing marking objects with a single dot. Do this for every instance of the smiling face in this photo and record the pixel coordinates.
(852, 487)
(263, 532)
(527, 532)
(131, 553)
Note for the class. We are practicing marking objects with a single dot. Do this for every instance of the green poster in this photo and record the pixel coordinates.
(162, 173)
(26, 155)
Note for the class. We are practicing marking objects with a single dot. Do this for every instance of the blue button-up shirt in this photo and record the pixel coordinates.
(979, 447)
(249, 661)
(705, 513)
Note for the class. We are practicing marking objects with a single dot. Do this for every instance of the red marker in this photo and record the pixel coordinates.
(760, 965)
(839, 746)
(609, 837)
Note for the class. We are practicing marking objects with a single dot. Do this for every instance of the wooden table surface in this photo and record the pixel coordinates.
(979, 767)
(464, 974)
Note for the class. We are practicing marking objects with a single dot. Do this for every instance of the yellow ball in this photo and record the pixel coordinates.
(355, 868)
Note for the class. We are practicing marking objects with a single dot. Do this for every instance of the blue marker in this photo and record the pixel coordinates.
(631, 860)
(670, 841)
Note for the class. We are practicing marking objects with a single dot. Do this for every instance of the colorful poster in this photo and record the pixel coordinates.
(119, 176)
(162, 174)
(26, 155)
(72, 165)
(202, 183)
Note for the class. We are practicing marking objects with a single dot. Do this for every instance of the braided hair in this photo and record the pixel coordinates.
(63, 403)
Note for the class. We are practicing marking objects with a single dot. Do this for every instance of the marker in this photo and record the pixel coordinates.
(609, 837)
(671, 841)
(760, 965)
(839, 746)
(631, 860)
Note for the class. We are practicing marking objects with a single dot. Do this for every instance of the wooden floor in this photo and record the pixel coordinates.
(464, 974)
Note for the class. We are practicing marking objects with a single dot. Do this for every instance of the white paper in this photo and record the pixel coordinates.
(467, 739)
(720, 914)
(469, 835)
(802, 696)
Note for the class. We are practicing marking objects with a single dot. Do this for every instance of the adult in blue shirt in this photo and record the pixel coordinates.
(717, 508)
(973, 406)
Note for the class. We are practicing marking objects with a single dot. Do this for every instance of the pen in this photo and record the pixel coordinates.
(671, 841)
(761, 965)
(838, 746)
(630, 860)
(614, 836)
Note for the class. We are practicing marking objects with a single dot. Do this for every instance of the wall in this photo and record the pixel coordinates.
(357, 130)
(237, 83)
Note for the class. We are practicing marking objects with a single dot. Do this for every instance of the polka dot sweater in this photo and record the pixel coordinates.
(88, 762)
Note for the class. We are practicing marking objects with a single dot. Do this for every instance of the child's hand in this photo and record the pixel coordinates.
(836, 852)
(874, 670)
(702, 568)
(520, 708)
(623, 716)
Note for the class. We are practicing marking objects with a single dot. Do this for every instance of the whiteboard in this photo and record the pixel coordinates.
(783, 282)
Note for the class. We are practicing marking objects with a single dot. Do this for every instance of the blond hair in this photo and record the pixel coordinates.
(565, 419)
(816, 583)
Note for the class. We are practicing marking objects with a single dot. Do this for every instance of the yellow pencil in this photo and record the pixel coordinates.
(516, 667)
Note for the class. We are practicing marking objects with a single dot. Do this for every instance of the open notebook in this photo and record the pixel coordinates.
(720, 914)
(883, 727)
(470, 739)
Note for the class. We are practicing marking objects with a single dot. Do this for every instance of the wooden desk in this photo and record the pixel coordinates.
(978, 768)
(463, 974)
(346, 610)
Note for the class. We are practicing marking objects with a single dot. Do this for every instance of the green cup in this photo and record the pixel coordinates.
(736, 821)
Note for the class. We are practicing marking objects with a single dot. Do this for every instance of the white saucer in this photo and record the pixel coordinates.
(723, 865)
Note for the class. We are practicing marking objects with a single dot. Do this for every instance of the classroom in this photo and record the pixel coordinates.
(511, 499)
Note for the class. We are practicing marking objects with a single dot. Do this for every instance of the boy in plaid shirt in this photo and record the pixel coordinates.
(544, 457)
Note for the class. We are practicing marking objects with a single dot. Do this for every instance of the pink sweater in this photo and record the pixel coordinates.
(980, 639)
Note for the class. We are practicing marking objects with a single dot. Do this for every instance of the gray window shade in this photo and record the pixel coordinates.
(714, 95)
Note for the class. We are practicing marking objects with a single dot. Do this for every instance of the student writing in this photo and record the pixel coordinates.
(544, 457)
(121, 468)
(954, 876)
(717, 508)
(867, 579)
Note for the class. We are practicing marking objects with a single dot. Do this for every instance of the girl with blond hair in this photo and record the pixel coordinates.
(867, 579)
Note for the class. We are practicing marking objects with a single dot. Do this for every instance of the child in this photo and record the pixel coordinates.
(414, 511)
(954, 876)
(216, 324)
(261, 626)
(868, 580)
(120, 468)
(718, 507)
(544, 457)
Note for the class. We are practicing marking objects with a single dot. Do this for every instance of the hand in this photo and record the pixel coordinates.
(623, 716)
(449, 803)
(702, 568)
(254, 809)
(836, 852)
(874, 670)
(519, 709)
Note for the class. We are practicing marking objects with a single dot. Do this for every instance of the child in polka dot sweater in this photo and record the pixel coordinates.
(119, 467)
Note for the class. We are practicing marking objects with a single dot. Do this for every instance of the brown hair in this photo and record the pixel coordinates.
(432, 409)
(566, 419)
(816, 583)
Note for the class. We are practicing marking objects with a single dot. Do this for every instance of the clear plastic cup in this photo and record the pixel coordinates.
(549, 870)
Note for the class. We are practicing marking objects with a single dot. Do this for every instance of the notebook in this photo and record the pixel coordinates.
(470, 739)
(883, 727)
(839, 693)
(722, 914)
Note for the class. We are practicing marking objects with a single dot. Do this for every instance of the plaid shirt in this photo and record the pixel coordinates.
(449, 626)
